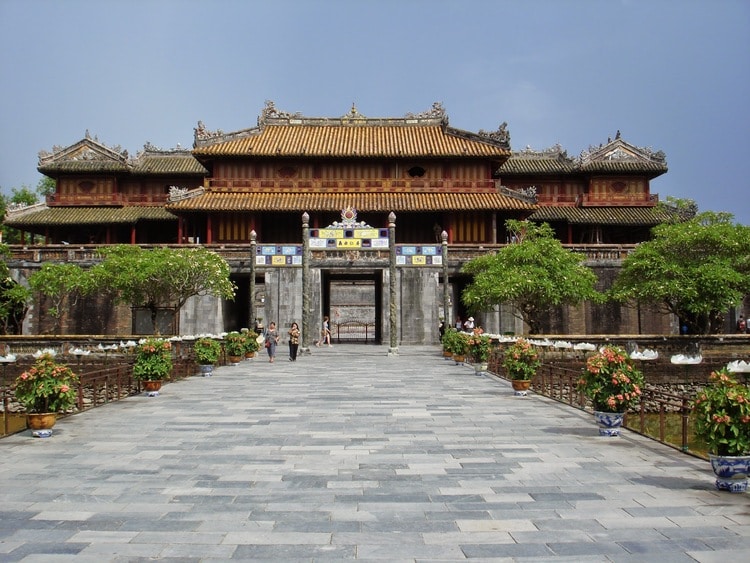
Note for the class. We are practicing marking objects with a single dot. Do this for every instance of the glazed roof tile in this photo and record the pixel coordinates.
(293, 200)
(386, 141)
(171, 163)
(89, 216)
(602, 215)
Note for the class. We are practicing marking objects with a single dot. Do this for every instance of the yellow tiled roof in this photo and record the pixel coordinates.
(327, 200)
(388, 141)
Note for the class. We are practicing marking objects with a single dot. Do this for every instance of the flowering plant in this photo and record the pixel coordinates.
(153, 359)
(722, 412)
(479, 345)
(611, 381)
(250, 340)
(207, 351)
(234, 343)
(46, 386)
(455, 342)
(521, 360)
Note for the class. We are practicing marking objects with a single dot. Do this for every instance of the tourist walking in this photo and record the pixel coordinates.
(325, 333)
(293, 342)
(272, 339)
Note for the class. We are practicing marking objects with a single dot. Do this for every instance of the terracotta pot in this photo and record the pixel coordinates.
(520, 387)
(152, 385)
(521, 384)
(235, 359)
(41, 421)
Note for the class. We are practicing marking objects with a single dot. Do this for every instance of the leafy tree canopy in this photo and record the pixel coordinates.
(26, 196)
(62, 284)
(162, 277)
(534, 274)
(697, 269)
(14, 298)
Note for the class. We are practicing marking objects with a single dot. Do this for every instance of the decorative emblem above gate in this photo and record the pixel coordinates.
(349, 216)
(349, 234)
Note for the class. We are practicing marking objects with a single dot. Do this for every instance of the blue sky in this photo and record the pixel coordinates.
(672, 75)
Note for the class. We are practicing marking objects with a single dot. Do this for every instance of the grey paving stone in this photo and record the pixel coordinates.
(351, 454)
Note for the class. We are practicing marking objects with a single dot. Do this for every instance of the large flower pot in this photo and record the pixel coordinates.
(609, 422)
(520, 387)
(459, 358)
(206, 370)
(235, 360)
(152, 386)
(731, 472)
(41, 424)
(480, 368)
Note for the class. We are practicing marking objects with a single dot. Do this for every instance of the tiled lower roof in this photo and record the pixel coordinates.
(90, 216)
(292, 200)
(602, 215)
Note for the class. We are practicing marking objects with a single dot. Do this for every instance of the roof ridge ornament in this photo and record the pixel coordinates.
(618, 149)
(87, 148)
(437, 111)
(353, 114)
(555, 150)
(502, 135)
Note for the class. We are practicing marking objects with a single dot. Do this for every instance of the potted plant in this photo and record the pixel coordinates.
(251, 342)
(520, 362)
(207, 352)
(445, 341)
(153, 362)
(479, 349)
(722, 421)
(234, 345)
(45, 389)
(458, 343)
(613, 384)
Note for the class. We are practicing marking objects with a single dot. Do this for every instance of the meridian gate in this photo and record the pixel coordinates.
(371, 289)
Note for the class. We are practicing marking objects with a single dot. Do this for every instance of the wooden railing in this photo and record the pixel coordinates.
(560, 384)
(103, 377)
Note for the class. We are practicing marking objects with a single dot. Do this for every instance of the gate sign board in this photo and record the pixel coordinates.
(348, 235)
(419, 255)
(278, 255)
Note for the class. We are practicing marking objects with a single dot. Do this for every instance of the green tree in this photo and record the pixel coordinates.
(46, 186)
(14, 297)
(21, 196)
(534, 274)
(161, 277)
(696, 269)
(62, 285)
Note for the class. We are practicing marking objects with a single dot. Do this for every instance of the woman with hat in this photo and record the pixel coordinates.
(469, 324)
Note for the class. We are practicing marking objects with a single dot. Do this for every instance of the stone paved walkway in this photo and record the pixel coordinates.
(351, 454)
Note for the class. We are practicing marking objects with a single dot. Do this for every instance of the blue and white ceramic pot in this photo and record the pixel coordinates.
(609, 422)
(731, 472)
